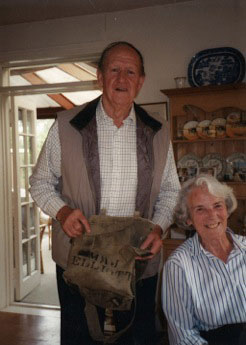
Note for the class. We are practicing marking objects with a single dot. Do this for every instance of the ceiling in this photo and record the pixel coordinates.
(48, 104)
(25, 11)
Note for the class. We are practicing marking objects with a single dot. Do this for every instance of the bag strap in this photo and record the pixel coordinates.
(95, 328)
(93, 322)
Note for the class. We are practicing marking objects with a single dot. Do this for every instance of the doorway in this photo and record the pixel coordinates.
(31, 105)
(46, 292)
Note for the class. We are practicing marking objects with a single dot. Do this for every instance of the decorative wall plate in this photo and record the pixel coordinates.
(189, 130)
(237, 130)
(233, 117)
(203, 129)
(219, 126)
(215, 160)
(189, 161)
(236, 161)
(216, 66)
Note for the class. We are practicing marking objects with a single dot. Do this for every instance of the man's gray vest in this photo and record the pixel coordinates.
(80, 170)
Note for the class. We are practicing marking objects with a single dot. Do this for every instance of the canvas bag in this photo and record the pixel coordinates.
(102, 266)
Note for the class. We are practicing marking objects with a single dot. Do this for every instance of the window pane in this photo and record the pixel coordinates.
(32, 219)
(33, 255)
(25, 258)
(24, 221)
(30, 170)
(23, 191)
(29, 122)
(20, 121)
(56, 73)
(30, 150)
(21, 150)
(43, 127)
(80, 97)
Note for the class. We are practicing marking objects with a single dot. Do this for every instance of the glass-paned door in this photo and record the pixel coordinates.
(26, 217)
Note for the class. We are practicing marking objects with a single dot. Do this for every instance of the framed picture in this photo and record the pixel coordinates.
(157, 110)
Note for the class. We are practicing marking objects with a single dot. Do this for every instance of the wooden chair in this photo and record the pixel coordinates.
(42, 230)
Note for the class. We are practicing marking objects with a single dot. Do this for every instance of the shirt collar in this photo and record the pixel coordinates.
(238, 241)
(196, 248)
(103, 118)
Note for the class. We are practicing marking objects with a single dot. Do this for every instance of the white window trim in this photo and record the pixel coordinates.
(49, 88)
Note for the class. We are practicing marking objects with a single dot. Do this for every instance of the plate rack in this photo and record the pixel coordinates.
(208, 102)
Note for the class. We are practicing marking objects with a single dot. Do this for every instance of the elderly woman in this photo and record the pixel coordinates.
(204, 280)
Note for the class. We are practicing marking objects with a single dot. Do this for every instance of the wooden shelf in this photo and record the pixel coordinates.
(184, 141)
(209, 101)
(204, 89)
(209, 98)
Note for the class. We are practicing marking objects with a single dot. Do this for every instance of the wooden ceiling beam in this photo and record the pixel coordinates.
(77, 71)
(33, 78)
(63, 101)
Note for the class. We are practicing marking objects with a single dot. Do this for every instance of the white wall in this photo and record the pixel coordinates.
(168, 37)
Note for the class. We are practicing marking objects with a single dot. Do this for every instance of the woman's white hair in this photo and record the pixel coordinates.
(215, 187)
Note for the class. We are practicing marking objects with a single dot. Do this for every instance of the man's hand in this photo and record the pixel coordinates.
(153, 242)
(73, 221)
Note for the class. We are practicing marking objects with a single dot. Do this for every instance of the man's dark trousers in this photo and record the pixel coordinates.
(74, 330)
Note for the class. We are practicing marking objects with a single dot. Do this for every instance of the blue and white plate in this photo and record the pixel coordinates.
(216, 66)
(215, 160)
(189, 161)
(237, 161)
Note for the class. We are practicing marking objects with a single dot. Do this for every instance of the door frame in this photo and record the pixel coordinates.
(30, 238)
(6, 223)
(7, 270)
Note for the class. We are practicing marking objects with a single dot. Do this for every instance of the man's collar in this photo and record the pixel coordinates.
(104, 117)
(89, 111)
(85, 115)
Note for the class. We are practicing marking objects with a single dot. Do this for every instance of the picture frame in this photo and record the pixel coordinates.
(158, 111)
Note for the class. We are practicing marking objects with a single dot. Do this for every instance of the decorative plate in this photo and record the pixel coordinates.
(215, 160)
(233, 117)
(236, 130)
(189, 130)
(219, 126)
(216, 66)
(203, 129)
(236, 161)
(190, 161)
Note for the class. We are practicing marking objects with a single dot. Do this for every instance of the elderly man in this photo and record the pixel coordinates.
(108, 154)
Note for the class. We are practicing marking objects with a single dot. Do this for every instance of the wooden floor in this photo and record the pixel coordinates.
(22, 329)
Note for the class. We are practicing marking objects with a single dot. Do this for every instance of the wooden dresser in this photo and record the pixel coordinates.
(209, 103)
